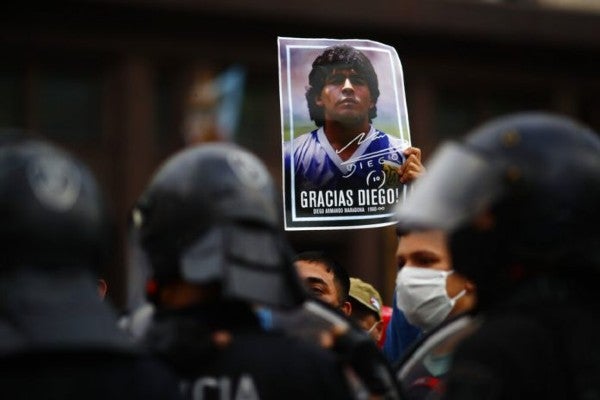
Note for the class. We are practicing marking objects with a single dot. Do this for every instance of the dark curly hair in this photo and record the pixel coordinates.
(340, 56)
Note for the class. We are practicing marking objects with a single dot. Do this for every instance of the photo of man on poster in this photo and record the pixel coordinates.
(345, 151)
(345, 171)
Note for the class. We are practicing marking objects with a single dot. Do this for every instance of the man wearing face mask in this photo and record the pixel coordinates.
(429, 293)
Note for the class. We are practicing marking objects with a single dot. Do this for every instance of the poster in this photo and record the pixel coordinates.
(344, 127)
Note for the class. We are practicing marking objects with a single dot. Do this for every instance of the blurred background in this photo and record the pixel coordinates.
(124, 84)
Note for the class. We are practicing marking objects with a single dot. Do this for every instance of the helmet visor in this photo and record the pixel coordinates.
(458, 185)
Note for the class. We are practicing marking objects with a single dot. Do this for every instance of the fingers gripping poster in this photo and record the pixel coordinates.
(344, 132)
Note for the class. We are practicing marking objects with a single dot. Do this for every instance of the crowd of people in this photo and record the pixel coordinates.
(499, 233)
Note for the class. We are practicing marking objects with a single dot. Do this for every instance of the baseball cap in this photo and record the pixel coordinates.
(366, 294)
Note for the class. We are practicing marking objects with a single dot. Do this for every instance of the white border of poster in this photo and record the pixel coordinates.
(336, 208)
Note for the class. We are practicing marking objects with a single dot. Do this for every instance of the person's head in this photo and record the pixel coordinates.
(427, 289)
(519, 197)
(366, 307)
(208, 225)
(325, 278)
(53, 213)
(333, 67)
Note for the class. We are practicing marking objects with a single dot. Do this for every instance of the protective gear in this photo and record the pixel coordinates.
(209, 215)
(421, 295)
(53, 310)
(52, 212)
(52, 320)
(52, 323)
(526, 200)
(254, 364)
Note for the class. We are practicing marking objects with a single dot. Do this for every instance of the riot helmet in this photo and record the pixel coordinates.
(518, 196)
(209, 215)
(53, 214)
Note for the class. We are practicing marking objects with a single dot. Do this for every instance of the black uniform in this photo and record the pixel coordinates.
(254, 365)
(59, 341)
(543, 344)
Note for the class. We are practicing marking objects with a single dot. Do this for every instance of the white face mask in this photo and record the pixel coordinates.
(421, 295)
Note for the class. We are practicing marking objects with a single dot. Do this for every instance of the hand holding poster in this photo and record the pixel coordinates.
(341, 168)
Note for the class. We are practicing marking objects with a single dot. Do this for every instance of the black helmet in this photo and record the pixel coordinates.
(522, 190)
(209, 215)
(51, 209)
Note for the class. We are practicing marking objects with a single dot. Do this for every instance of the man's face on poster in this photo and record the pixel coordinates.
(345, 97)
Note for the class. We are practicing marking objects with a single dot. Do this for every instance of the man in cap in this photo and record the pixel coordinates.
(366, 307)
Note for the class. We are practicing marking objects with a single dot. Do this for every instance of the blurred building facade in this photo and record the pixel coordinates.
(123, 84)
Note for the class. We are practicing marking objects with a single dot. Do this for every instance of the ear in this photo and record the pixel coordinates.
(470, 286)
(379, 330)
(102, 288)
(318, 100)
(346, 308)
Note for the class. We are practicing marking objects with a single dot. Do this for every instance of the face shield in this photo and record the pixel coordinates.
(249, 260)
(459, 184)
